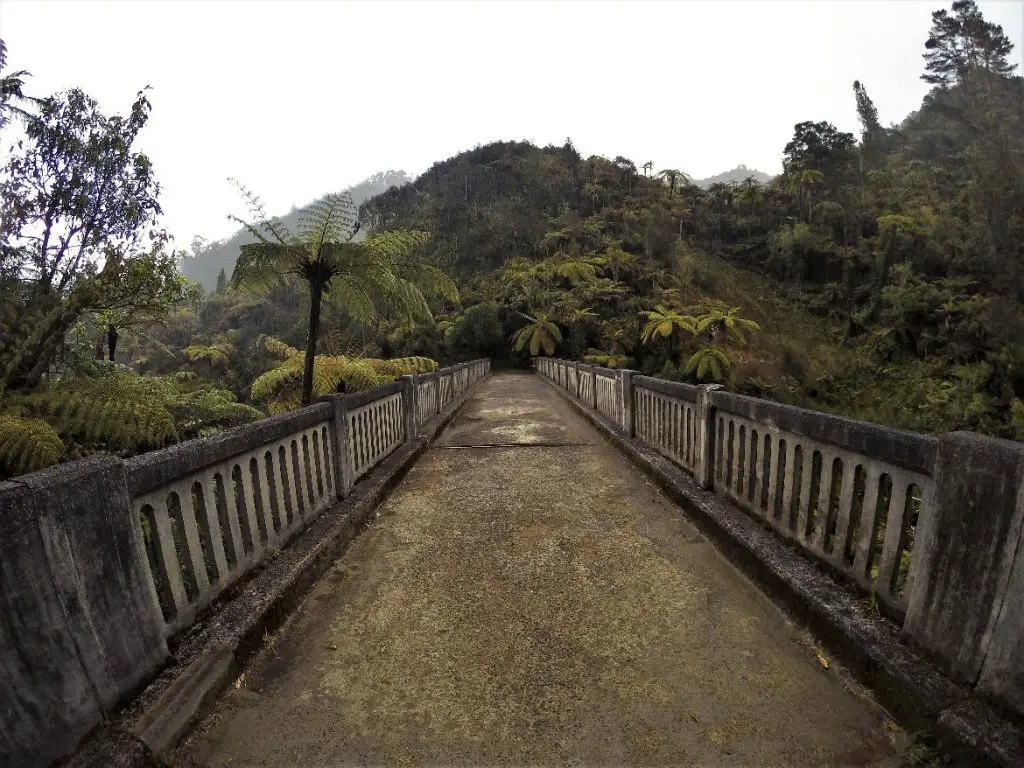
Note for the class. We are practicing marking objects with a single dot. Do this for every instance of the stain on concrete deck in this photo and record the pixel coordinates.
(537, 605)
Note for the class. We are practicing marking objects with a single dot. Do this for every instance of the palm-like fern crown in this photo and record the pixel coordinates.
(719, 319)
(281, 387)
(709, 364)
(380, 275)
(663, 321)
(541, 332)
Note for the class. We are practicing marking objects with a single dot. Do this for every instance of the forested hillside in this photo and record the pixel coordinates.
(885, 270)
(880, 275)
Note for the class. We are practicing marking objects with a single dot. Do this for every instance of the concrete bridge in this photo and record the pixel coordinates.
(583, 566)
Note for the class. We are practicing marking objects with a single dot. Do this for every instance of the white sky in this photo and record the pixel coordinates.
(301, 98)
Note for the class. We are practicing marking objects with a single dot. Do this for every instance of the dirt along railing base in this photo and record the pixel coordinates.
(206, 660)
(870, 645)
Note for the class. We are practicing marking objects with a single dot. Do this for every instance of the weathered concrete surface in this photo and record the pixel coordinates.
(965, 606)
(537, 604)
(77, 628)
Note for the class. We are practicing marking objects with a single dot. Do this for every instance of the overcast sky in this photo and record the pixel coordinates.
(301, 98)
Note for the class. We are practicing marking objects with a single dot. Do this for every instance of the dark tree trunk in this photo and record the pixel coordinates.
(316, 291)
(112, 336)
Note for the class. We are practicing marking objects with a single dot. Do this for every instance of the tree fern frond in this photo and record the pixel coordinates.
(276, 228)
(330, 220)
(280, 386)
(279, 348)
(350, 293)
(262, 266)
(27, 444)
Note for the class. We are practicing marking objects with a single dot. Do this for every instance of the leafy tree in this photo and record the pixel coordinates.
(478, 332)
(964, 41)
(11, 84)
(379, 275)
(866, 112)
(222, 281)
(139, 291)
(76, 204)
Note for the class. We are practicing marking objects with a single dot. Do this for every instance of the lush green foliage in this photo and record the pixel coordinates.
(886, 270)
(380, 276)
(27, 444)
(280, 387)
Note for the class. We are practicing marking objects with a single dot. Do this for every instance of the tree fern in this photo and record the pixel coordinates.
(217, 355)
(540, 333)
(127, 413)
(709, 363)
(379, 276)
(27, 444)
(280, 387)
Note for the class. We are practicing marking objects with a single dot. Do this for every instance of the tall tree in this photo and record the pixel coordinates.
(75, 200)
(964, 41)
(866, 112)
(379, 275)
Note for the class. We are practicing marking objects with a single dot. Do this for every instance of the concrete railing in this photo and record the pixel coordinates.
(932, 527)
(102, 561)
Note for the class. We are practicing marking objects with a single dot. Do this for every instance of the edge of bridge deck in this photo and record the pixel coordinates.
(907, 684)
(217, 649)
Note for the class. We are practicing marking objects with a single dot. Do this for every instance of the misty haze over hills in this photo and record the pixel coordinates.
(735, 176)
(209, 258)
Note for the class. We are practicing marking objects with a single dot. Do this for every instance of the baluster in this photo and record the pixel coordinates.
(867, 524)
(773, 472)
(804, 508)
(167, 553)
(817, 542)
(893, 533)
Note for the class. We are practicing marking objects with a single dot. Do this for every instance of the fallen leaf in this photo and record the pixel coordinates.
(822, 660)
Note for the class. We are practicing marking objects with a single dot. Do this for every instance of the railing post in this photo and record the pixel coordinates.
(626, 400)
(966, 582)
(593, 387)
(409, 406)
(344, 472)
(706, 436)
(576, 379)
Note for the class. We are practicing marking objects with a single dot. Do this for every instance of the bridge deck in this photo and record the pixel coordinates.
(536, 602)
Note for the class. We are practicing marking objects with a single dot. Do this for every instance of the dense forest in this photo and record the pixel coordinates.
(885, 271)
(880, 275)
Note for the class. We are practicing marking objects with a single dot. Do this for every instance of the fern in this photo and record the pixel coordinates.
(606, 359)
(217, 355)
(280, 387)
(208, 411)
(128, 413)
(709, 363)
(27, 444)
